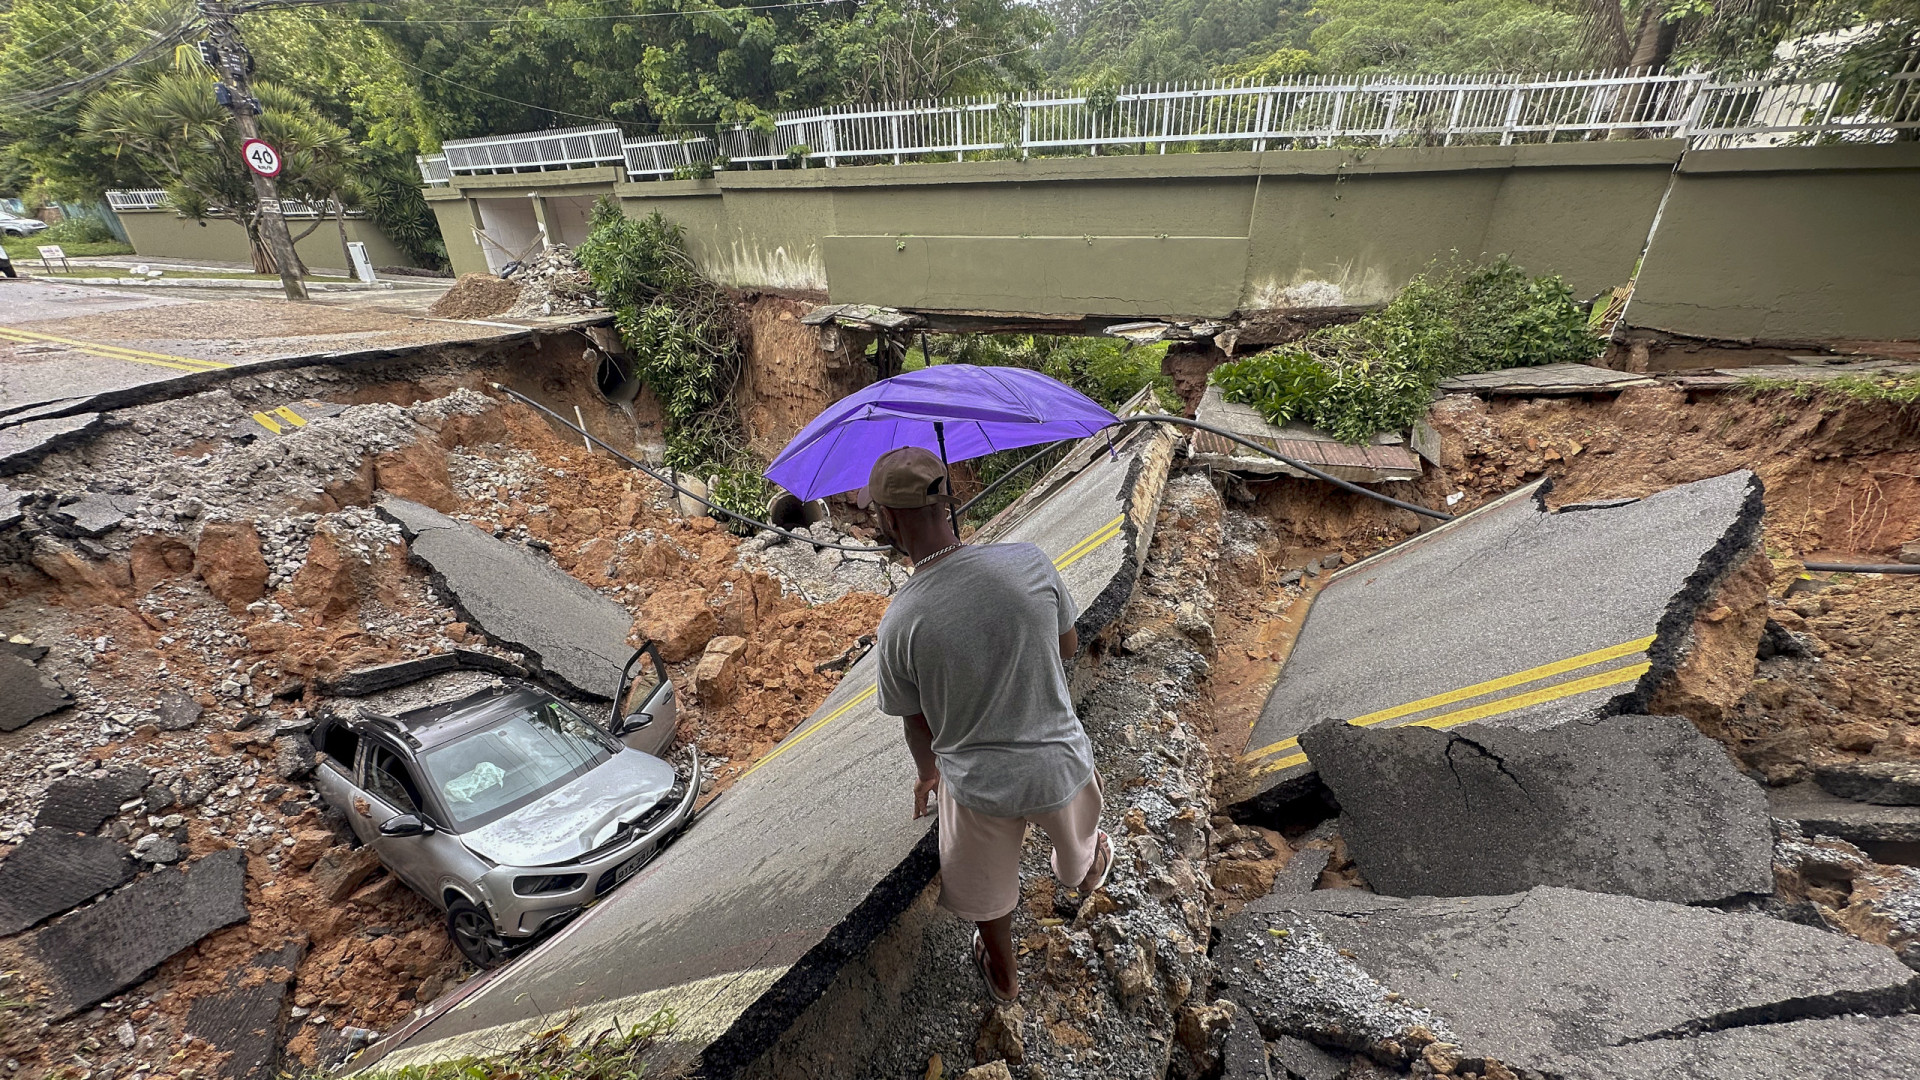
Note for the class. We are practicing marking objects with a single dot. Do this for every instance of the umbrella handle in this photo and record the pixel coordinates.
(953, 512)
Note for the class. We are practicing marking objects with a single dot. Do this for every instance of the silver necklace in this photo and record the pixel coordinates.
(922, 564)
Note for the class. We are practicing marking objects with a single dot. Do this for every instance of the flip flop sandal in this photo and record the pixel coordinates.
(1105, 871)
(986, 975)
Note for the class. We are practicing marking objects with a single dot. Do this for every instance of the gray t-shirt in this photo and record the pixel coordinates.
(973, 642)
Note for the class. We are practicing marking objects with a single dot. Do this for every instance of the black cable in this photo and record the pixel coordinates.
(701, 499)
(1864, 568)
(1010, 474)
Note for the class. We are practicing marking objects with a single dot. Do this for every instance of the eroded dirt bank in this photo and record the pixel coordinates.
(198, 585)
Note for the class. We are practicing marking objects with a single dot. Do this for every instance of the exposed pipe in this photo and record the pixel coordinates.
(1864, 568)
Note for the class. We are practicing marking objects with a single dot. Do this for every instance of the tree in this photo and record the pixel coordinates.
(1122, 42)
(1446, 36)
(170, 127)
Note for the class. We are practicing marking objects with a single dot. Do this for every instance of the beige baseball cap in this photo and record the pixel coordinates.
(906, 478)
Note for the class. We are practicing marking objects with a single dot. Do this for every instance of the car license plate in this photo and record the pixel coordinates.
(629, 868)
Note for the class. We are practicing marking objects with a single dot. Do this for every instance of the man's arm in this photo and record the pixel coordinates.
(920, 743)
(1069, 644)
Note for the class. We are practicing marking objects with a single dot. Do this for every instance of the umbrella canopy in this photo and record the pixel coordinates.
(978, 410)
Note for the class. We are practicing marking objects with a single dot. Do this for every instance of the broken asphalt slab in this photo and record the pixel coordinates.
(520, 600)
(1553, 976)
(1640, 805)
(1866, 825)
(96, 514)
(1842, 1048)
(362, 682)
(1511, 614)
(745, 920)
(27, 693)
(80, 803)
(52, 870)
(246, 1020)
(93, 954)
(22, 445)
(1883, 783)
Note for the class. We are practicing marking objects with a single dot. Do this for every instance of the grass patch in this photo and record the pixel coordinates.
(24, 248)
(115, 271)
(554, 1054)
(1379, 374)
(1902, 390)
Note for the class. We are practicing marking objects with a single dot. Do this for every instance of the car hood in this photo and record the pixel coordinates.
(566, 824)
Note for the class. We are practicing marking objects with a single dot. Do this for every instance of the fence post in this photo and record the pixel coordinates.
(1261, 120)
(1339, 109)
(1513, 117)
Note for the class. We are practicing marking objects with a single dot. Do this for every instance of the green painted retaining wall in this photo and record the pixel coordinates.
(1750, 243)
(165, 234)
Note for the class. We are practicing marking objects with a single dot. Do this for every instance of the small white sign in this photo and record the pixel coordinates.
(50, 253)
(260, 157)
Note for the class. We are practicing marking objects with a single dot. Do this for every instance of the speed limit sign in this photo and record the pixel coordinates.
(260, 157)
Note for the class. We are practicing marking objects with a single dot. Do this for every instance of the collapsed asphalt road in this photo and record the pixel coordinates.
(1511, 614)
(744, 921)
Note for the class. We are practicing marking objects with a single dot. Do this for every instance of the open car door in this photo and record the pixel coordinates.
(644, 714)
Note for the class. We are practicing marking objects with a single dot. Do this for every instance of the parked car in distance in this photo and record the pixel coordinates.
(507, 808)
(14, 225)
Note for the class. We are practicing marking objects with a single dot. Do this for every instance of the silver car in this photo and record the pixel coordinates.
(508, 809)
(15, 225)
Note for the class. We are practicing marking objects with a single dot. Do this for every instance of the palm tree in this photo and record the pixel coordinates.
(184, 140)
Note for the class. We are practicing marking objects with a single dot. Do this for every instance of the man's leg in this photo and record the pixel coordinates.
(1080, 857)
(997, 934)
(980, 881)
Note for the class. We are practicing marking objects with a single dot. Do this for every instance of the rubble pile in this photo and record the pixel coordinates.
(476, 296)
(818, 574)
(552, 282)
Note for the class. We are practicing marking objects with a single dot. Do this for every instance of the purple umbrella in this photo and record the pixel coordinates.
(959, 411)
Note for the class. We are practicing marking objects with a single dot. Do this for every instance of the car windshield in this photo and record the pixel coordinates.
(489, 773)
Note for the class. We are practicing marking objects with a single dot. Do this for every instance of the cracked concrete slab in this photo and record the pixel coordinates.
(1511, 615)
(27, 693)
(95, 513)
(93, 954)
(1548, 976)
(80, 803)
(52, 870)
(520, 600)
(245, 1021)
(747, 918)
(1640, 805)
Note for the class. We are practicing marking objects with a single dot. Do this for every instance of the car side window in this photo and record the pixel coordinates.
(389, 779)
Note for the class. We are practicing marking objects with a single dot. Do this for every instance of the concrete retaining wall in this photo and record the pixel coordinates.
(165, 234)
(1803, 243)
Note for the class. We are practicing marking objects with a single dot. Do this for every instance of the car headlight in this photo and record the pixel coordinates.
(547, 884)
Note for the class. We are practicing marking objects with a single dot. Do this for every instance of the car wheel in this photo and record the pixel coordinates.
(472, 933)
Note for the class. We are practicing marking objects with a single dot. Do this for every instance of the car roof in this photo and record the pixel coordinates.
(441, 723)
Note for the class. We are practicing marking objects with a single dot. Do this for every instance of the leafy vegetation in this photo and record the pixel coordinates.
(1379, 374)
(684, 334)
(554, 1054)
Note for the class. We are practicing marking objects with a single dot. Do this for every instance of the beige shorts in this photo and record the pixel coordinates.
(980, 854)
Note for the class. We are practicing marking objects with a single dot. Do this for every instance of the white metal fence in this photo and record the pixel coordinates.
(155, 199)
(1312, 111)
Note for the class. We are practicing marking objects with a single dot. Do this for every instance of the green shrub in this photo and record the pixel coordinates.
(1379, 374)
(78, 230)
(684, 334)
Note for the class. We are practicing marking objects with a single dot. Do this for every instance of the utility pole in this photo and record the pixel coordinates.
(231, 61)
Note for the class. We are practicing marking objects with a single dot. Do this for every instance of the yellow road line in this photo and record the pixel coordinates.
(1532, 674)
(1093, 540)
(1500, 705)
(815, 726)
(1534, 697)
(115, 352)
(5, 336)
(1068, 558)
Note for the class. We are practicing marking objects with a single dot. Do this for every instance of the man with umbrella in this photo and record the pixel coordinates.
(970, 654)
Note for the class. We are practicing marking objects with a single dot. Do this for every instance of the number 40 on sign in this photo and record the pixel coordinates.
(260, 157)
